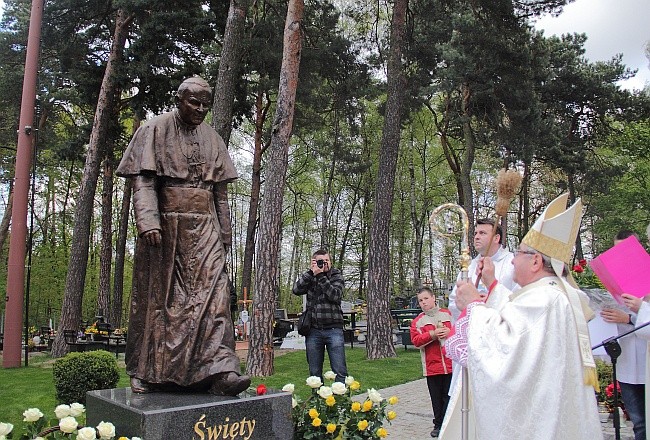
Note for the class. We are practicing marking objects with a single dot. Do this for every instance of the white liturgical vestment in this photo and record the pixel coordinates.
(642, 317)
(525, 370)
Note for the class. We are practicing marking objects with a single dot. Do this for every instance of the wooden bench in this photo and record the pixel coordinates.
(403, 318)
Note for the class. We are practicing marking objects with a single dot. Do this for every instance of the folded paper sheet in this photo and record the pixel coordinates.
(624, 269)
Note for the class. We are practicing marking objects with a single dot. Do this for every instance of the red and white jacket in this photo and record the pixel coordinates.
(433, 359)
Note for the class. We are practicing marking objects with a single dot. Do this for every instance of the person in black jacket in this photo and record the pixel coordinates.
(323, 286)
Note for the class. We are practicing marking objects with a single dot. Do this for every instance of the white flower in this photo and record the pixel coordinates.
(32, 415)
(349, 380)
(106, 430)
(314, 382)
(339, 388)
(325, 392)
(330, 375)
(77, 409)
(62, 411)
(374, 395)
(5, 428)
(289, 388)
(86, 433)
(294, 402)
(68, 424)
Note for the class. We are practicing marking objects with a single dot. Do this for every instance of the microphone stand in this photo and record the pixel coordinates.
(613, 349)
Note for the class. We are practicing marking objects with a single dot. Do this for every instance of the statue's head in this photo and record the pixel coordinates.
(193, 99)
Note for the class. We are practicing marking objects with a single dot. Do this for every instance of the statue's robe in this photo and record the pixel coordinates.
(180, 330)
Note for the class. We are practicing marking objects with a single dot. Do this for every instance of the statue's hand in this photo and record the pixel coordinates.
(153, 237)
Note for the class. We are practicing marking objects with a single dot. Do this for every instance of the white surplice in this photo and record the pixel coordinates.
(526, 372)
(641, 318)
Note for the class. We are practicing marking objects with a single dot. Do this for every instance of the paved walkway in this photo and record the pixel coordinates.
(414, 414)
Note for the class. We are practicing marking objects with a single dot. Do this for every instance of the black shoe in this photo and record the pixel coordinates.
(141, 387)
(435, 433)
(230, 384)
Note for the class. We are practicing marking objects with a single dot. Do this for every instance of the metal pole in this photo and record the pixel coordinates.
(16, 265)
(464, 409)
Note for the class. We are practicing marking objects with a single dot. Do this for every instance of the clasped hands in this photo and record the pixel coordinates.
(439, 332)
(465, 290)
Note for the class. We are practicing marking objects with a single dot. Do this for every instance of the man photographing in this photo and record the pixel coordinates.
(323, 286)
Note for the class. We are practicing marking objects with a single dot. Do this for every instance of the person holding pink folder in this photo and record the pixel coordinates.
(631, 364)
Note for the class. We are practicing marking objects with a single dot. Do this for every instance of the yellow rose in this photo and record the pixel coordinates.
(313, 413)
(330, 401)
(356, 406)
(316, 422)
(355, 385)
(363, 424)
(381, 433)
(331, 427)
(393, 400)
(391, 415)
(367, 405)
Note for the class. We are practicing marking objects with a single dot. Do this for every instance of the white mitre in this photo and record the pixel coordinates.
(554, 234)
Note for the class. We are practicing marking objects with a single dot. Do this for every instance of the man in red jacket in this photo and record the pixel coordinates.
(428, 332)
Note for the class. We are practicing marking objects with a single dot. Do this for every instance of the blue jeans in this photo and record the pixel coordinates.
(315, 343)
(634, 400)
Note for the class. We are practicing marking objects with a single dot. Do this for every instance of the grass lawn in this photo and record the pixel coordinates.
(22, 388)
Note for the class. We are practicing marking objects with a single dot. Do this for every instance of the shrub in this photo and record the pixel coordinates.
(77, 373)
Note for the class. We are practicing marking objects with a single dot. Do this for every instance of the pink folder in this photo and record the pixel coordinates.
(624, 269)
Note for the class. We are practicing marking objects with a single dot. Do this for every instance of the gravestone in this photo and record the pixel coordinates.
(192, 416)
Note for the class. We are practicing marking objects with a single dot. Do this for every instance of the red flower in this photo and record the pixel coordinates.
(578, 269)
(609, 391)
(583, 263)
(261, 389)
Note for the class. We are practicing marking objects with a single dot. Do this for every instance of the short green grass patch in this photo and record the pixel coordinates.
(33, 386)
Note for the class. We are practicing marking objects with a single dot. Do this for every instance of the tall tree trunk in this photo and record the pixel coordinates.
(120, 248)
(260, 354)
(380, 338)
(468, 159)
(6, 217)
(64, 208)
(416, 221)
(325, 238)
(106, 245)
(74, 283)
(261, 111)
(224, 91)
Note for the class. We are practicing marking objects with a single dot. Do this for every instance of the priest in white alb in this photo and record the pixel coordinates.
(531, 372)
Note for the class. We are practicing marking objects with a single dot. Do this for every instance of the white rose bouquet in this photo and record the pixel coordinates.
(67, 424)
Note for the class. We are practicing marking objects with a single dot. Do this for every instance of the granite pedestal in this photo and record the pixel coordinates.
(192, 416)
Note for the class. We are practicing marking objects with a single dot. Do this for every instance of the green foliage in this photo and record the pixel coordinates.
(77, 373)
(604, 371)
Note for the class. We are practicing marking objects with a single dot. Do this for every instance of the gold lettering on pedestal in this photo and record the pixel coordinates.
(242, 429)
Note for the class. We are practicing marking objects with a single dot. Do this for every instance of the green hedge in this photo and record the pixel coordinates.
(77, 373)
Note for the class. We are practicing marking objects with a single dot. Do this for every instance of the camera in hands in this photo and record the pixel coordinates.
(320, 263)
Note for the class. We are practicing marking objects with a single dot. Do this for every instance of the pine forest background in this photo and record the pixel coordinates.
(399, 106)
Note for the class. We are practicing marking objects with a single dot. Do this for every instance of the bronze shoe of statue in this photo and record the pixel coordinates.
(229, 384)
(140, 386)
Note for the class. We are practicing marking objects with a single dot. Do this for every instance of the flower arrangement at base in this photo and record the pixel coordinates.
(68, 424)
(331, 411)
